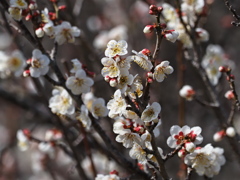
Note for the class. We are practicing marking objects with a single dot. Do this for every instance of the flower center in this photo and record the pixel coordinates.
(79, 82)
(14, 62)
(36, 63)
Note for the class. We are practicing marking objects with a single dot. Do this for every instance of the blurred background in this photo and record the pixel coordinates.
(22, 106)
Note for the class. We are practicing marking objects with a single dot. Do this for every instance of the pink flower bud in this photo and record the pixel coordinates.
(150, 74)
(171, 35)
(107, 78)
(229, 95)
(230, 131)
(114, 172)
(222, 69)
(150, 80)
(218, 136)
(148, 29)
(146, 52)
(26, 73)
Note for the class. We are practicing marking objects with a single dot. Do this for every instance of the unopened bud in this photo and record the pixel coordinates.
(146, 52)
(113, 82)
(150, 74)
(63, 7)
(189, 146)
(171, 35)
(26, 73)
(107, 78)
(218, 136)
(230, 131)
(32, 6)
(153, 10)
(114, 172)
(222, 69)
(150, 80)
(160, 8)
(229, 95)
(28, 17)
(182, 153)
(148, 29)
(39, 32)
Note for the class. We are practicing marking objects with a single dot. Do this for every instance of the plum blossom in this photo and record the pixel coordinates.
(129, 139)
(171, 35)
(39, 64)
(202, 35)
(98, 108)
(83, 117)
(61, 102)
(107, 177)
(116, 48)
(162, 70)
(66, 33)
(77, 65)
(110, 68)
(138, 153)
(16, 8)
(230, 132)
(117, 105)
(184, 135)
(79, 83)
(187, 92)
(124, 81)
(23, 140)
(142, 60)
(151, 112)
(206, 161)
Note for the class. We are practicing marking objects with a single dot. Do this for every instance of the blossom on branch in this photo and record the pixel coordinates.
(161, 70)
(116, 48)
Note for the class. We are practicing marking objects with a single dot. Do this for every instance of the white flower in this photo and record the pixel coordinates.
(39, 32)
(129, 139)
(230, 131)
(21, 4)
(110, 68)
(23, 140)
(183, 135)
(116, 48)
(107, 177)
(206, 161)
(135, 87)
(151, 112)
(61, 102)
(124, 81)
(138, 153)
(16, 63)
(148, 29)
(117, 105)
(83, 117)
(98, 108)
(48, 28)
(192, 6)
(39, 64)
(79, 83)
(66, 33)
(142, 60)
(170, 15)
(120, 127)
(213, 73)
(171, 35)
(77, 65)
(202, 35)
(15, 12)
(187, 92)
(162, 70)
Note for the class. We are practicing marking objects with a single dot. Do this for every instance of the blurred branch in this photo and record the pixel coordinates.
(233, 11)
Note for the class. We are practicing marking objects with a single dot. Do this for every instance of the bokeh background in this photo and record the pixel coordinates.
(22, 106)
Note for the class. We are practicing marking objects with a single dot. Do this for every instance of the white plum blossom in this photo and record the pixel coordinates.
(23, 140)
(161, 70)
(171, 35)
(66, 33)
(202, 35)
(135, 88)
(183, 135)
(79, 83)
(170, 15)
(39, 64)
(230, 132)
(138, 153)
(192, 6)
(124, 81)
(151, 112)
(187, 92)
(107, 177)
(117, 105)
(61, 102)
(15, 12)
(142, 60)
(206, 161)
(116, 48)
(49, 29)
(120, 127)
(98, 108)
(110, 68)
(77, 65)
(129, 139)
(83, 117)
(22, 4)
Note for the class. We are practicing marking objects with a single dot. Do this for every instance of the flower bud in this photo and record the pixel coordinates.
(39, 32)
(107, 78)
(218, 136)
(229, 95)
(222, 69)
(148, 29)
(150, 80)
(171, 35)
(153, 10)
(182, 153)
(63, 7)
(146, 52)
(150, 74)
(190, 147)
(230, 131)
(26, 73)
(113, 82)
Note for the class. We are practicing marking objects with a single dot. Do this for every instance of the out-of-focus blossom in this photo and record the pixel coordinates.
(229, 95)
(138, 153)
(39, 64)
(202, 35)
(171, 35)
(98, 108)
(23, 140)
(61, 102)
(79, 83)
(187, 92)
(83, 117)
(66, 33)
(142, 60)
(77, 65)
(230, 132)
(5, 40)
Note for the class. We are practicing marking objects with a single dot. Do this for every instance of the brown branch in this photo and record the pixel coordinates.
(235, 15)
